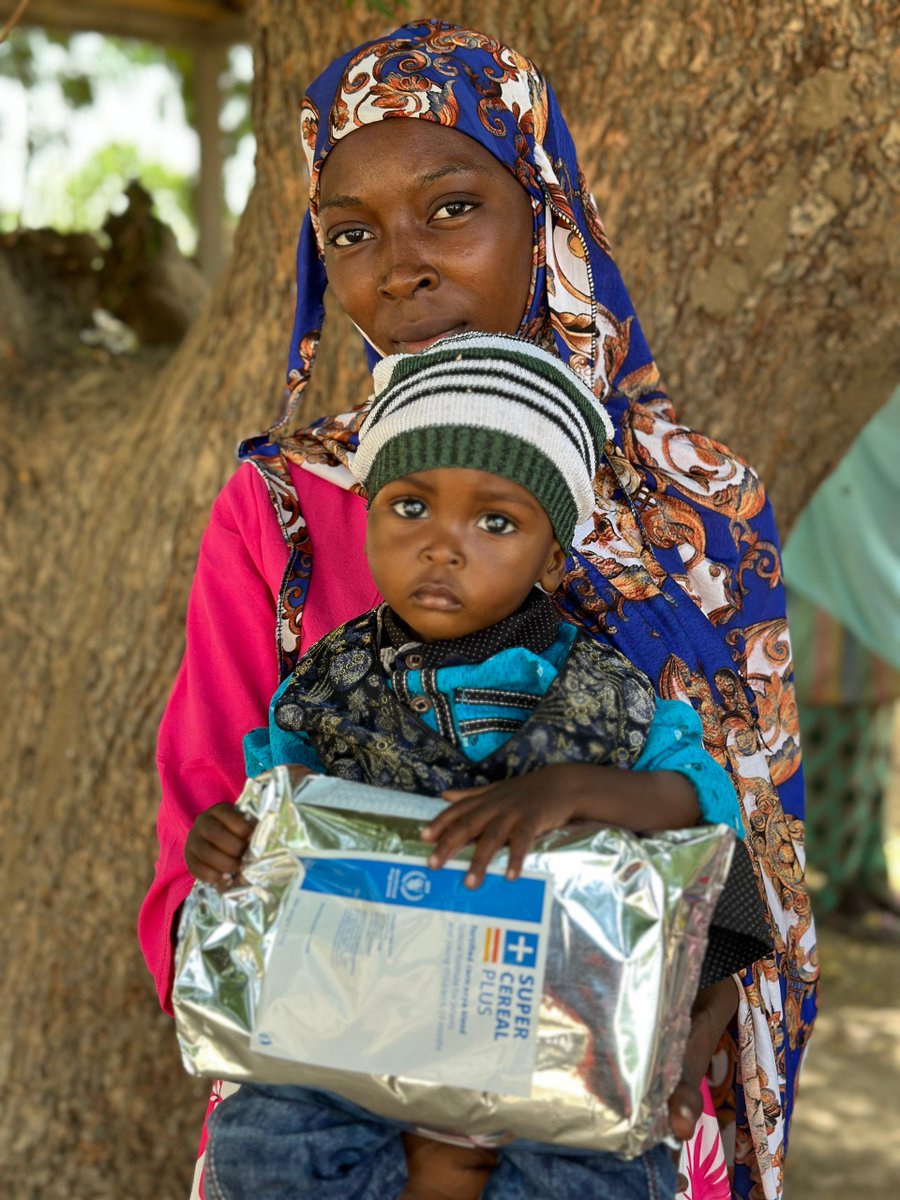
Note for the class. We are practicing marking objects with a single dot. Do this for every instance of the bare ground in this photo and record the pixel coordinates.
(844, 1140)
(845, 1143)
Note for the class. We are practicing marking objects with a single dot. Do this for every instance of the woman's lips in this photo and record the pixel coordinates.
(415, 345)
(436, 596)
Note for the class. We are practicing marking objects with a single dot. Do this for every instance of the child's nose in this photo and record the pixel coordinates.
(444, 548)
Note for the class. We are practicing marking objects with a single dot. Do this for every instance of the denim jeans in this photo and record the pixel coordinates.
(282, 1143)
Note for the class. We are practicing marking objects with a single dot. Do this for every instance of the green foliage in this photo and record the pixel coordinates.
(236, 120)
(61, 74)
(17, 61)
(90, 192)
(121, 55)
(23, 57)
(78, 91)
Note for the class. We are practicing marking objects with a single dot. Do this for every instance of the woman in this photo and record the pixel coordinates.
(465, 210)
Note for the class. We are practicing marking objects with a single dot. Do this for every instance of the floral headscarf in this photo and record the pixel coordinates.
(679, 564)
(477, 86)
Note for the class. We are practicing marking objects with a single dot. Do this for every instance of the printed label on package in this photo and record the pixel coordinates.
(386, 967)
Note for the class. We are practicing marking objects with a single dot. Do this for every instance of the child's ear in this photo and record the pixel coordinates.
(555, 570)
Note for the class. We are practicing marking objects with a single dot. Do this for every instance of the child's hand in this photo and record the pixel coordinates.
(712, 1010)
(511, 813)
(516, 811)
(216, 844)
(685, 1109)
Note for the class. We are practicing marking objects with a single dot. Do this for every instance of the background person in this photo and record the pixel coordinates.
(842, 567)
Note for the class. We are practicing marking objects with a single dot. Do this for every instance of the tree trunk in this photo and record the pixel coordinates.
(740, 159)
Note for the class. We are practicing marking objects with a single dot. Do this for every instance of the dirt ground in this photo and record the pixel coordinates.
(845, 1143)
(844, 1138)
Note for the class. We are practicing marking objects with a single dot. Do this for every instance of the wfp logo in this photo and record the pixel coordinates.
(415, 886)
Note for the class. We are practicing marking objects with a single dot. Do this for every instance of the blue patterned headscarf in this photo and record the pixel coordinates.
(678, 566)
(474, 84)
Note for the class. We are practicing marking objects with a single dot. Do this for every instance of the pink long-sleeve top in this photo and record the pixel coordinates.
(230, 667)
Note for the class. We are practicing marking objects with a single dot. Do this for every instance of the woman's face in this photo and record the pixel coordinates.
(425, 234)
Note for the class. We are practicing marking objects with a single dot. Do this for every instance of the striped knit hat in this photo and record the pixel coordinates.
(490, 402)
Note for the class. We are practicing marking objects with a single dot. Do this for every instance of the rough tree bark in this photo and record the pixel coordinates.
(741, 157)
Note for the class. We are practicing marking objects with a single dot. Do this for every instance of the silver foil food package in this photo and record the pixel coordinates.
(337, 964)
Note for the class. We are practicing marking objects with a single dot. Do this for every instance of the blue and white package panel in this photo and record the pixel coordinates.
(386, 967)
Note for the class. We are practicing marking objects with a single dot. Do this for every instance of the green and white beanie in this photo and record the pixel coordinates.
(490, 402)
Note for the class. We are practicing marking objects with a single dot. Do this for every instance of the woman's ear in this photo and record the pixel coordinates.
(555, 570)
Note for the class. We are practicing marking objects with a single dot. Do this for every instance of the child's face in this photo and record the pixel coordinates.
(454, 550)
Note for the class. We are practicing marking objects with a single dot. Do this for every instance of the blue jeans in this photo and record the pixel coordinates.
(283, 1143)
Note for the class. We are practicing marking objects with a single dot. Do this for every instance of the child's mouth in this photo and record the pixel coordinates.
(437, 596)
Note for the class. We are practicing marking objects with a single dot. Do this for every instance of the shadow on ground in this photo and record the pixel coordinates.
(844, 1143)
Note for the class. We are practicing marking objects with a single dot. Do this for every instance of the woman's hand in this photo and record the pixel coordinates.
(216, 844)
(515, 812)
(713, 1009)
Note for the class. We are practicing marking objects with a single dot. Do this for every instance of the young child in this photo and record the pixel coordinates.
(478, 457)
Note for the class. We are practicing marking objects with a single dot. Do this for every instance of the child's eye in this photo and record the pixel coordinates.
(410, 508)
(496, 523)
(347, 237)
(454, 208)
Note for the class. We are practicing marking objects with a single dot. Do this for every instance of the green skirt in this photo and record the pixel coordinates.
(846, 764)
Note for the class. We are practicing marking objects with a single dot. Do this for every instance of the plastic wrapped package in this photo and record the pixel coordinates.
(554, 1008)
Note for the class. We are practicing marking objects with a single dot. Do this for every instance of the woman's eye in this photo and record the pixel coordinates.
(347, 237)
(409, 508)
(454, 208)
(496, 523)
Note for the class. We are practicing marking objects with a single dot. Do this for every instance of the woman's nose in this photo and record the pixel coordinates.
(405, 268)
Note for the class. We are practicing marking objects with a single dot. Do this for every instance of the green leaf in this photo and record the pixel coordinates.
(18, 59)
(78, 90)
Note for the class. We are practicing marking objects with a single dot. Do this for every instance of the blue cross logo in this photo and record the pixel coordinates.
(520, 949)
